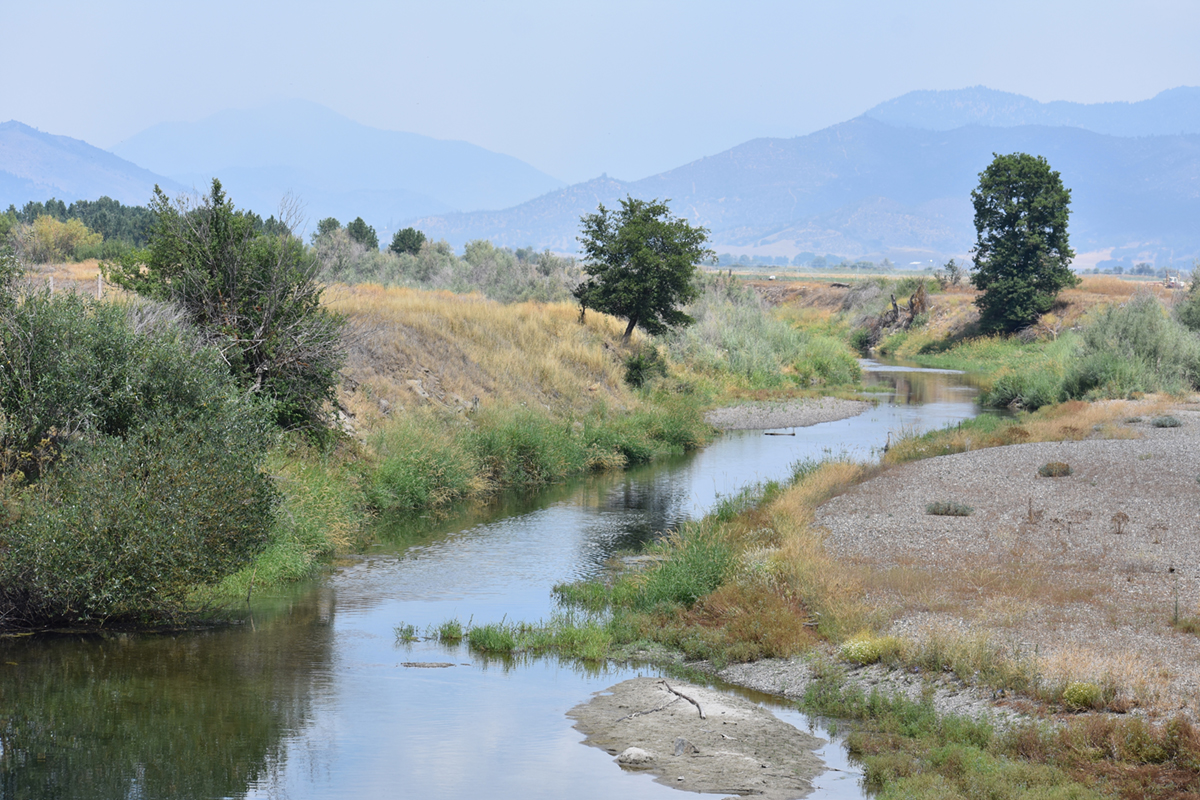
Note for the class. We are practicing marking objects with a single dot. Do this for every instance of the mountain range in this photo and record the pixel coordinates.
(894, 182)
(37, 166)
(866, 189)
(335, 166)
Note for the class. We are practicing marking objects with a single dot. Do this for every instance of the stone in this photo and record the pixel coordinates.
(635, 757)
(685, 748)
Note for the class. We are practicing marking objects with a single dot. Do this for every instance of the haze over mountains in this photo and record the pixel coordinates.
(894, 182)
(37, 166)
(335, 166)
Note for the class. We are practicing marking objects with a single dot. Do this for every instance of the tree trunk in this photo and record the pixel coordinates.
(629, 331)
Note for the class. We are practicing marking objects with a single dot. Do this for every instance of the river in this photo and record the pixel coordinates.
(309, 697)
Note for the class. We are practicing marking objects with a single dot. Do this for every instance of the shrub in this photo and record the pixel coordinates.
(1054, 469)
(1166, 422)
(252, 286)
(948, 508)
(128, 527)
(1135, 347)
(868, 649)
(644, 365)
(1081, 695)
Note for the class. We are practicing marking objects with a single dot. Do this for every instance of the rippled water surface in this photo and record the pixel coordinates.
(309, 696)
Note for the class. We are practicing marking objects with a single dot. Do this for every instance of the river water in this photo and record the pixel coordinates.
(310, 697)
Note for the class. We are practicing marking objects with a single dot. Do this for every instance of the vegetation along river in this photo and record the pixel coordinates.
(311, 698)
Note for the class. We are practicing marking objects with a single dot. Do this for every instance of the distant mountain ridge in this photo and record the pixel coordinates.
(37, 166)
(870, 188)
(1172, 112)
(335, 166)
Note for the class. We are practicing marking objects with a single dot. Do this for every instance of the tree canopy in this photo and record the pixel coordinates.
(641, 262)
(363, 233)
(252, 287)
(1022, 255)
(408, 240)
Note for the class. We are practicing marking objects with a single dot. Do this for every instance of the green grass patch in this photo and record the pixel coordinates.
(1054, 469)
(322, 512)
(948, 508)
(431, 461)
(493, 639)
(908, 750)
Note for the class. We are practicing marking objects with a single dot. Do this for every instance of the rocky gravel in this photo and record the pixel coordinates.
(785, 413)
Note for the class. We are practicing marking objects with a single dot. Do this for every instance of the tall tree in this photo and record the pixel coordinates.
(1022, 255)
(256, 293)
(363, 233)
(408, 240)
(641, 262)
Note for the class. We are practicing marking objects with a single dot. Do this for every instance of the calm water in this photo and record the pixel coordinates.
(309, 698)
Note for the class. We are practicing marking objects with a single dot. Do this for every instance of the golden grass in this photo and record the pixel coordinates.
(411, 348)
(799, 564)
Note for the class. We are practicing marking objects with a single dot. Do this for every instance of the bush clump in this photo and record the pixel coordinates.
(949, 508)
(1167, 421)
(1082, 695)
(128, 527)
(130, 462)
(1054, 469)
(867, 649)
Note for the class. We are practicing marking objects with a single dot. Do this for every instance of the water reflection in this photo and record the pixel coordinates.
(172, 715)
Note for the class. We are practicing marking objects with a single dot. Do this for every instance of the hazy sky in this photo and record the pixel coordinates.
(574, 88)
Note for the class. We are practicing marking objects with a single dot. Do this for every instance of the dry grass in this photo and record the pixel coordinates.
(411, 348)
(799, 564)
(80, 276)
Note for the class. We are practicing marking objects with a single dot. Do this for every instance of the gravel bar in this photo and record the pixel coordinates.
(785, 413)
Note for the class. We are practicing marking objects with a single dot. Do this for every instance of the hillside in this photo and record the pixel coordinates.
(1168, 113)
(867, 189)
(336, 166)
(37, 166)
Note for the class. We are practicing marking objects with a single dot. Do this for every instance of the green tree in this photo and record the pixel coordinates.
(1187, 311)
(408, 240)
(258, 293)
(641, 262)
(1022, 256)
(325, 227)
(363, 233)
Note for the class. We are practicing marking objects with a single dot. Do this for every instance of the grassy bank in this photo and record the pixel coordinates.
(1107, 339)
(908, 750)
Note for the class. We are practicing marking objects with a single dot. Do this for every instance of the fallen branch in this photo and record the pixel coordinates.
(685, 697)
(651, 711)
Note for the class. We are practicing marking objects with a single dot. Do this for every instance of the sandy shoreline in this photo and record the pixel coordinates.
(784, 413)
(735, 747)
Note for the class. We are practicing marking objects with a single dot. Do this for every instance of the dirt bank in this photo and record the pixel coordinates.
(784, 413)
(737, 747)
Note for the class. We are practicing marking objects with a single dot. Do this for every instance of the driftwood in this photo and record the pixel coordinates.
(651, 711)
(685, 697)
